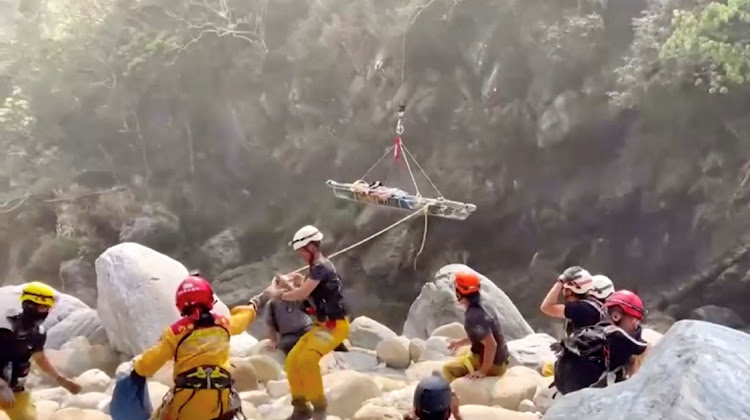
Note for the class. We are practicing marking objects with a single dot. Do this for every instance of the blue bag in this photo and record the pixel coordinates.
(130, 400)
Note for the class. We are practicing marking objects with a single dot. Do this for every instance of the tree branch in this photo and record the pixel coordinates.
(220, 21)
(90, 194)
(21, 201)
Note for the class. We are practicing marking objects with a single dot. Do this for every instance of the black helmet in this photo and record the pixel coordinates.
(432, 398)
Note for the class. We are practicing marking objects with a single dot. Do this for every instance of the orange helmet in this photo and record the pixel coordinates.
(466, 283)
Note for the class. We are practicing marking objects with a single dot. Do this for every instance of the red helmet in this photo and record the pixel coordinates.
(466, 282)
(628, 301)
(194, 290)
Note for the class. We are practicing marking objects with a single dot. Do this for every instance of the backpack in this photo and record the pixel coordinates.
(592, 343)
(588, 343)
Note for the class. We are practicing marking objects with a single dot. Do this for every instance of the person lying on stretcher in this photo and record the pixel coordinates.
(379, 191)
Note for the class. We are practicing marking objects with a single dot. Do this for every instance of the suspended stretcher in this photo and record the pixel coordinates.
(375, 193)
(395, 198)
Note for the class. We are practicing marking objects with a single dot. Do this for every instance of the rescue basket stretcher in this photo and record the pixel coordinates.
(398, 199)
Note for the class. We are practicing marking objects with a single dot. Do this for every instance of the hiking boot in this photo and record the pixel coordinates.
(319, 414)
(301, 410)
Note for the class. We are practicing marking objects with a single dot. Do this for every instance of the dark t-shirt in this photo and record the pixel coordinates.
(478, 323)
(581, 314)
(287, 317)
(16, 348)
(327, 297)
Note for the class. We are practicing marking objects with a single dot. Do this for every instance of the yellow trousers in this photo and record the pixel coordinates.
(466, 364)
(303, 362)
(200, 404)
(22, 409)
(548, 369)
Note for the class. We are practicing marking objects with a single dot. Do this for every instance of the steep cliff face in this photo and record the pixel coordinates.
(580, 139)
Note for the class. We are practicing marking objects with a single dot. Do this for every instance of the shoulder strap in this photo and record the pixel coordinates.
(187, 323)
(611, 329)
(603, 315)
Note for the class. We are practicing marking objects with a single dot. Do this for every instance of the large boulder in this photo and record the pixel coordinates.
(84, 322)
(376, 412)
(58, 395)
(519, 383)
(532, 351)
(434, 348)
(72, 413)
(435, 306)
(93, 380)
(453, 331)
(156, 227)
(418, 371)
(136, 288)
(223, 250)
(718, 315)
(394, 352)
(401, 399)
(87, 400)
(242, 345)
(78, 278)
(361, 360)
(45, 409)
(346, 390)
(696, 372)
(366, 333)
(480, 412)
(78, 355)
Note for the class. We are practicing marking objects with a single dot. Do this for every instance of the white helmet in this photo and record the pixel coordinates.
(581, 284)
(304, 236)
(603, 287)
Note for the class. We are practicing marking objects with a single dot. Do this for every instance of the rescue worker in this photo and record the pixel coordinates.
(287, 322)
(601, 354)
(602, 287)
(434, 400)
(199, 345)
(22, 339)
(580, 308)
(322, 288)
(489, 352)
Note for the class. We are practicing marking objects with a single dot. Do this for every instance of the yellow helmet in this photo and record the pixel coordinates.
(39, 293)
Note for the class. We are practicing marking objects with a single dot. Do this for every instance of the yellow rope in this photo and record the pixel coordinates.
(424, 239)
(373, 236)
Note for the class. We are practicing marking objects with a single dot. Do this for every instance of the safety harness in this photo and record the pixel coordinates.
(21, 343)
(204, 378)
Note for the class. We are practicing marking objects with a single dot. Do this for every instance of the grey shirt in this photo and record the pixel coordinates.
(287, 317)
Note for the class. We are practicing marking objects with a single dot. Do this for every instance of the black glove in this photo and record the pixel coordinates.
(136, 377)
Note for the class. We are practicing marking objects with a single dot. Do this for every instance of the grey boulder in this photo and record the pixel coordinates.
(698, 371)
(436, 306)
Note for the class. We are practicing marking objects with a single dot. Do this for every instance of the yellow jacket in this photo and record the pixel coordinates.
(191, 347)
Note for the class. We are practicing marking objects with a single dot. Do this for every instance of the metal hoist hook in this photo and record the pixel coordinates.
(399, 125)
